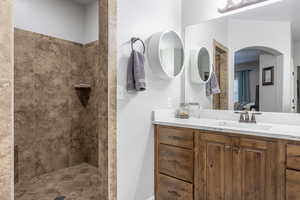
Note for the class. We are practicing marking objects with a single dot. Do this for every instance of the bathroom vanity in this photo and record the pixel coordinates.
(207, 162)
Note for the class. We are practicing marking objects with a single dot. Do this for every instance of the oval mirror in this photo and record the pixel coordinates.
(171, 53)
(203, 64)
(166, 54)
(200, 69)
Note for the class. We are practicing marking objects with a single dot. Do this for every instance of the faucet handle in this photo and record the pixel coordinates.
(253, 116)
(244, 115)
(247, 116)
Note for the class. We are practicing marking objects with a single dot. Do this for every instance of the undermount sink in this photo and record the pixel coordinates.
(245, 125)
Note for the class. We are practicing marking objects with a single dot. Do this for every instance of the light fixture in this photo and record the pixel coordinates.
(222, 4)
(229, 5)
(237, 2)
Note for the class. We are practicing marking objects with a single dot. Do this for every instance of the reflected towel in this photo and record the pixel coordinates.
(136, 72)
(212, 85)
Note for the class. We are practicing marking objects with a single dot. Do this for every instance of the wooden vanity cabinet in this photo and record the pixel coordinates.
(254, 170)
(174, 163)
(292, 185)
(225, 166)
(235, 168)
(213, 169)
(293, 172)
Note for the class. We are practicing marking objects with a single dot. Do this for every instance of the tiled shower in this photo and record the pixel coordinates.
(56, 142)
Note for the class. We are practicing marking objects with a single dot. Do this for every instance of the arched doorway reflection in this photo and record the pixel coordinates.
(258, 79)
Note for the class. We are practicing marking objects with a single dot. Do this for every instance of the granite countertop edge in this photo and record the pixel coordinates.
(260, 133)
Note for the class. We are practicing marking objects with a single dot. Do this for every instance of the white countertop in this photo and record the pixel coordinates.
(279, 131)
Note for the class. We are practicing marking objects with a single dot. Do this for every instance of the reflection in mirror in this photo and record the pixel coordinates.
(298, 88)
(171, 53)
(204, 64)
(263, 46)
(258, 79)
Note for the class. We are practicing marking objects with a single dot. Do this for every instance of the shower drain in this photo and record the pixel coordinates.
(60, 198)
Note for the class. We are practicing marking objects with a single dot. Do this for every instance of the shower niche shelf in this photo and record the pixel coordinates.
(83, 91)
(82, 86)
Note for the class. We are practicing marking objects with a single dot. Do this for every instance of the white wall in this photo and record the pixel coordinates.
(63, 19)
(91, 22)
(196, 11)
(141, 18)
(270, 95)
(266, 34)
(298, 100)
(198, 36)
(254, 81)
(296, 52)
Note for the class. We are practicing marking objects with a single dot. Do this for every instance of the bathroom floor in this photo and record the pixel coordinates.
(75, 183)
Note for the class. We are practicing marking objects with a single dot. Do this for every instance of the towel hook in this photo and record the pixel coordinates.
(134, 40)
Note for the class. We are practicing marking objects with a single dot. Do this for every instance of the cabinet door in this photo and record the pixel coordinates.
(292, 185)
(254, 170)
(214, 170)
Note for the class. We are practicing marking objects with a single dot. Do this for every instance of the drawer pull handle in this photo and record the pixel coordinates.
(227, 147)
(174, 193)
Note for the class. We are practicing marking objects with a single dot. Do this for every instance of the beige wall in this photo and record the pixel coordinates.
(6, 94)
(106, 84)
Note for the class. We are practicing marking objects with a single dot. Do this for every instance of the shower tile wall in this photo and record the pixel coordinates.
(91, 137)
(52, 129)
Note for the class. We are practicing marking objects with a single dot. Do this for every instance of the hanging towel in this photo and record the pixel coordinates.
(212, 85)
(136, 72)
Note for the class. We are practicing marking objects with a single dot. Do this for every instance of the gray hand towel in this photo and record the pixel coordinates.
(136, 72)
(212, 86)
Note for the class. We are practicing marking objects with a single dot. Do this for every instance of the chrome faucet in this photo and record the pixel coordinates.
(245, 116)
(253, 116)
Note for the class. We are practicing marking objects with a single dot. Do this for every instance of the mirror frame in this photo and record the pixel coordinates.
(195, 63)
(154, 55)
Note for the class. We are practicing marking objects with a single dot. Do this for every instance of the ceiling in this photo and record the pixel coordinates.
(245, 56)
(83, 1)
(251, 54)
(285, 10)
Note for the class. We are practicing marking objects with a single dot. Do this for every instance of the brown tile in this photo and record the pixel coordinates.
(75, 183)
(65, 132)
(47, 108)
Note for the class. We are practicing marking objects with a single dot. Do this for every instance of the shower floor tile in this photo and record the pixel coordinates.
(80, 182)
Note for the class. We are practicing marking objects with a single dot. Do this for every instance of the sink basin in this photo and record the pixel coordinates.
(245, 126)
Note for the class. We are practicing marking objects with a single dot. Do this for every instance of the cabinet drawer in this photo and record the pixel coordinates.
(293, 156)
(171, 188)
(176, 162)
(180, 137)
(292, 185)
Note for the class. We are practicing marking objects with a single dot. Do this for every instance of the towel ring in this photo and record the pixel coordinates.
(134, 40)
